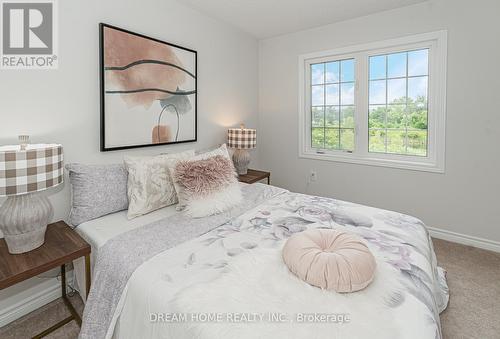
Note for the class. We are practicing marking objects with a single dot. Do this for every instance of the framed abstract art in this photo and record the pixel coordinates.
(148, 91)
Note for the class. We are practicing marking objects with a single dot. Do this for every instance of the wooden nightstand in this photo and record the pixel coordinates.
(253, 176)
(62, 245)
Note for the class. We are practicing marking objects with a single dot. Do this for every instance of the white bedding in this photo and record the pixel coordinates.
(165, 284)
(96, 232)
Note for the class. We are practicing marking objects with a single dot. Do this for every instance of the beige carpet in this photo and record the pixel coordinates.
(41, 319)
(473, 312)
(474, 282)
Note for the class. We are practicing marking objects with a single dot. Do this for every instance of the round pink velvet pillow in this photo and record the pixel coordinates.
(330, 259)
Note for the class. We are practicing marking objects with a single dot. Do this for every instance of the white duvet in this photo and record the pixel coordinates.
(168, 296)
(259, 295)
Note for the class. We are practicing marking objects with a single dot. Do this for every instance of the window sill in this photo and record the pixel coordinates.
(374, 161)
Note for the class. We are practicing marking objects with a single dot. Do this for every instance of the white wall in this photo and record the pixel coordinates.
(466, 198)
(62, 106)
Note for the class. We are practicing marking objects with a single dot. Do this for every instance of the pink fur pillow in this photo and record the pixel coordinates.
(330, 259)
(207, 186)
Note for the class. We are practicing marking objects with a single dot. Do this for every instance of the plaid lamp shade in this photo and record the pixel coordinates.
(35, 169)
(241, 138)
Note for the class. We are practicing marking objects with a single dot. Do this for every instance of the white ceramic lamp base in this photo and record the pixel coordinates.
(241, 159)
(23, 221)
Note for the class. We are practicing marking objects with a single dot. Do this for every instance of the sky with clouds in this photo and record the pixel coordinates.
(389, 75)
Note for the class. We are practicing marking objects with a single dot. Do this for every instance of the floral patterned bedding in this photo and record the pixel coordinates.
(400, 240)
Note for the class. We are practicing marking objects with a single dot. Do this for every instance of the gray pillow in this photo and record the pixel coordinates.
(97, 190)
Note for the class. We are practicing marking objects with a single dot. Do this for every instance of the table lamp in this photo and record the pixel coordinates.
(241, 139)
(25, 170)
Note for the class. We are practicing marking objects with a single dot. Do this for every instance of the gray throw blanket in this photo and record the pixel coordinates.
(121, 256)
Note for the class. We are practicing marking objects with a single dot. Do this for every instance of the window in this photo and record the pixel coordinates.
(332, 105)
(397, 99)
(377, 104)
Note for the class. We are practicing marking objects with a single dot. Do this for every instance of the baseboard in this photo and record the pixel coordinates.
(463, 239)
(33, 302)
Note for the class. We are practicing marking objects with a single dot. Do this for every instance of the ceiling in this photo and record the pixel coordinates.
(268, 18)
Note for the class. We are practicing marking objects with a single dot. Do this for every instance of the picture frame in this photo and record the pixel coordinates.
(148, 91)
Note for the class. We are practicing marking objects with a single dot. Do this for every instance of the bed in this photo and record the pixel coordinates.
(165, 275)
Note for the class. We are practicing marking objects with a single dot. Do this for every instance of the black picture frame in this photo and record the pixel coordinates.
(103, 148)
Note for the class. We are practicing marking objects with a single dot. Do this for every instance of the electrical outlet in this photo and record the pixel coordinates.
(313, 176)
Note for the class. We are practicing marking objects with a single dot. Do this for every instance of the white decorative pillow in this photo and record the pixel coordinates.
(207, 186)
(221, 150)
(150, 185)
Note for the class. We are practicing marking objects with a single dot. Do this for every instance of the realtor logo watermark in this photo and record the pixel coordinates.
(29, 34)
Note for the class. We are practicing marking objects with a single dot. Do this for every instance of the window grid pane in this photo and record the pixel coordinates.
(405, 130)
(318, 137)
(332, 93)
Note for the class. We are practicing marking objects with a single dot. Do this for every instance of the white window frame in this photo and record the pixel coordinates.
(436, 42)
